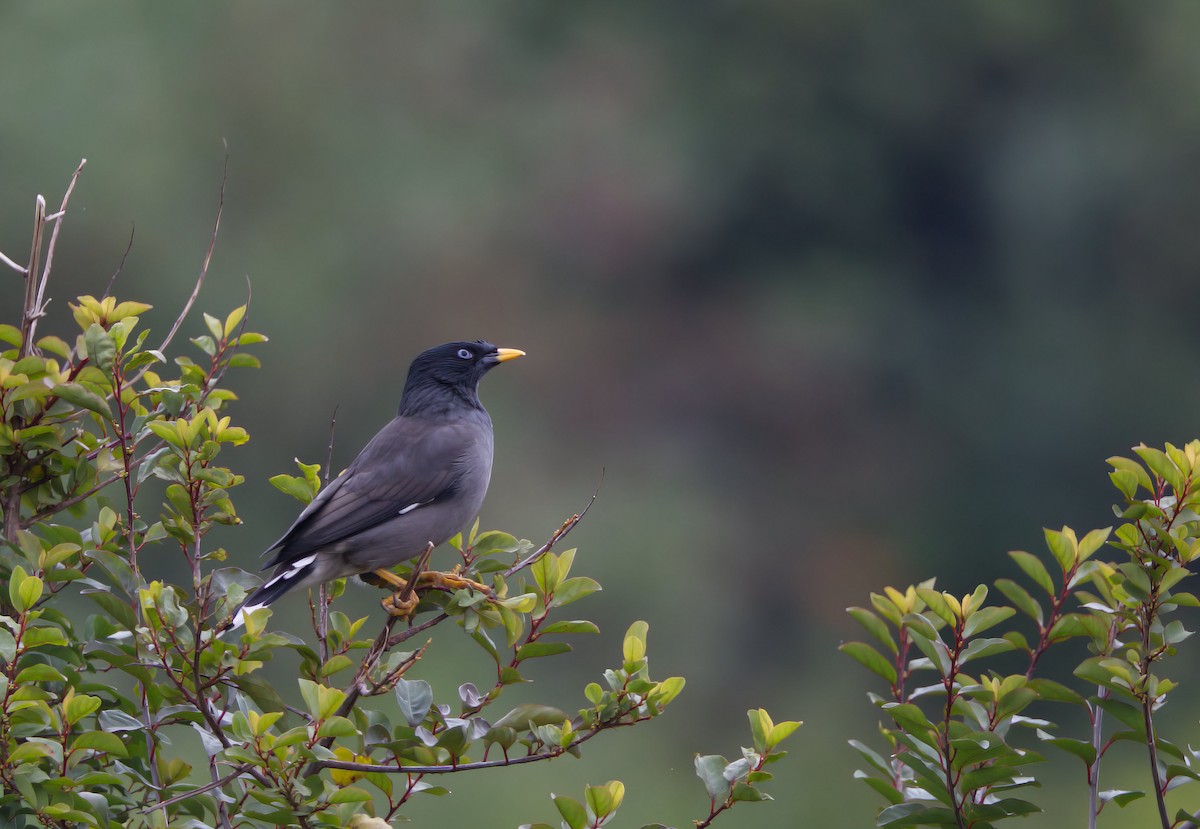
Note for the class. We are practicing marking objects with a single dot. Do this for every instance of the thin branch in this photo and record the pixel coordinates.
(121, 265)
(480, 764)
(207, 787)
(222, 806)
(5, 260)
(69, 502)
(329, 453)
(212, 243)
(29, 309)
(57, 218)
(559, 534)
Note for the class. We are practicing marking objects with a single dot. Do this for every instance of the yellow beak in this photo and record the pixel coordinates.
(503, 354)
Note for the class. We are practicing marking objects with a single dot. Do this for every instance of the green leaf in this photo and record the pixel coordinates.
(710, 769)
(41, 637)
(984, 618)
(1127, 714)
(881, 787)
(1020, 597)
(606, 799)
(572, 811)
(260, 691)
(908, 716)
(574, 589)
(746, 793)
(574, 626)
(915, 814)
(100, 346)
(1034, 568)
(1159, 464)
(1062, 546)
(297, 487)
(233, 321)
(311, 693)
(16, 581)
(55, 346)
(39, 672)
(979, 648)
(1123, 798)
(781, 731)
(494, 541)
(1092, 542)
(534, 650)
(760, 727)
(415, 698)
(350, 794)
(1083, 750)
(937, 604)
(337, 727)
(667, 690)
(545, 573)
(100, 741)
(874, 626)
(80, 706)
(634, 645)
(530, 715)
(871, 659)
(10, 334)
(1052, 691)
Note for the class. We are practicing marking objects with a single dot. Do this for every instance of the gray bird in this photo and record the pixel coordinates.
(416, 483)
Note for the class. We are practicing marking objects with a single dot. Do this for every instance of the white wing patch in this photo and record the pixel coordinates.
(410, 508)
(300, 564)
(296, 568)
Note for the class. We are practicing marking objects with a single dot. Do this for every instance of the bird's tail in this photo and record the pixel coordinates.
(287, 577)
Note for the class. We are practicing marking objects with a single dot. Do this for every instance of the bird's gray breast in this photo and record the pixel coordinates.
(414, 526)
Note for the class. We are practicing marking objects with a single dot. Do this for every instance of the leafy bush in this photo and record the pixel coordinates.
(91, 708)
(963, 744)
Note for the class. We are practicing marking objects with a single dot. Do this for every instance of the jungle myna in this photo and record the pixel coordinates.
(415, 484)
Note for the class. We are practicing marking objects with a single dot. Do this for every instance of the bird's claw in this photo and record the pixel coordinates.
(404, 599)
(402, 607)
(454, 580)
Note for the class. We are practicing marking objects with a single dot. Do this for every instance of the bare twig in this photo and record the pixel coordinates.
(329, 453)
(57, 218)
(29, 309)
(212, 243)
(207, 787)
(559, 534)
(5, 260)
(348, 765)
(121, 265)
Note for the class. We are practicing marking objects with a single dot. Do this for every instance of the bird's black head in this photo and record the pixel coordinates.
(451, 370)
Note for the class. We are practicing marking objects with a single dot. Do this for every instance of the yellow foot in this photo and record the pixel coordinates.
(401, 607)
(427, 580)
(404, 600)
(453, 580)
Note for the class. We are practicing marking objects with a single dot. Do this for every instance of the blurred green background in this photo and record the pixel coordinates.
(839, 294)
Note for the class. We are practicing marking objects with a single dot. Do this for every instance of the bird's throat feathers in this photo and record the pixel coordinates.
(431, 397)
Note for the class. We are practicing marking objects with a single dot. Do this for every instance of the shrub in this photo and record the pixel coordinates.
(91, 708)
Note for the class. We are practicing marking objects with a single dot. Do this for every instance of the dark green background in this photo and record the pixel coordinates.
(840, 294)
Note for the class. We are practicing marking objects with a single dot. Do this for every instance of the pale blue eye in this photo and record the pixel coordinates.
(465, 354)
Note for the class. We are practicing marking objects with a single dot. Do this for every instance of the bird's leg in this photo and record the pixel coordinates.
(403, 601)
(452, 580)
(404, 598)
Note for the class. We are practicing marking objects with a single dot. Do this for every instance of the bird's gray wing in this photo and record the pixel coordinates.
(410, 462)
